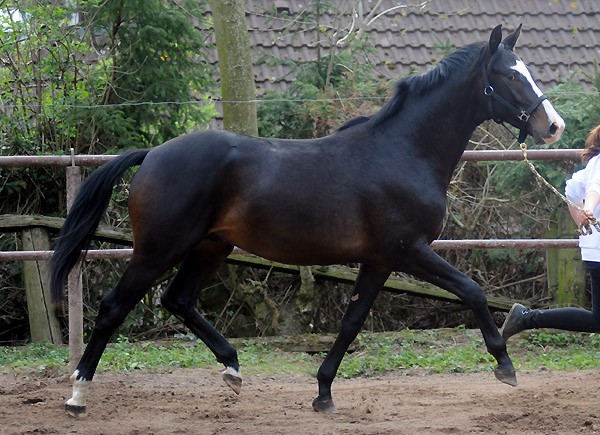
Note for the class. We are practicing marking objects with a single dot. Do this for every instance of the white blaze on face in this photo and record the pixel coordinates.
(553, 117)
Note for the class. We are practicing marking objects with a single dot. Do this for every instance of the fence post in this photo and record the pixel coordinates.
(566, 273)
(74, 283)
(44, 324)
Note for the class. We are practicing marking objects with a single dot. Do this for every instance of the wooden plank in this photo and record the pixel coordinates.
(347, 275)
(104, 233)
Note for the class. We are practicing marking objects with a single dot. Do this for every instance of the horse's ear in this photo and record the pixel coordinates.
(495, 38)
(511, 40)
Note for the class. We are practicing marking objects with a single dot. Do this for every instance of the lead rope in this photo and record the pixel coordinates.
(584, 230)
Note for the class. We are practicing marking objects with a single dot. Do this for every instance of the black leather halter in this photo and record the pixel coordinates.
(521, 115)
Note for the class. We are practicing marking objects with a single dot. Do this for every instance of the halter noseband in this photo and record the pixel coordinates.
(522, 115)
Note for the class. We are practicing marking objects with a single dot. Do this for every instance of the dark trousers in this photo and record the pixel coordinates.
(573, 319)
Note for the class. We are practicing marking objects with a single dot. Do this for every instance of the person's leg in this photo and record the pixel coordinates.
(569, 319)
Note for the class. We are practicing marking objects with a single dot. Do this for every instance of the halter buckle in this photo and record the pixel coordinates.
(488, 91)
(524, 116)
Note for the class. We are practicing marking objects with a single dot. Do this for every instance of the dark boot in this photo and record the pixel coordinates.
(516, 321)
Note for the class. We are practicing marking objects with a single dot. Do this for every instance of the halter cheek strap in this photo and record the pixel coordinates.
(522, 115)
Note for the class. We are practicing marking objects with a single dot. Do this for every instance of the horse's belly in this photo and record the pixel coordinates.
(298, 247)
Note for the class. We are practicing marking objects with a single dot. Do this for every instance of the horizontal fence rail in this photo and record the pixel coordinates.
(500, 155)
(468, 155)
(40, 161)
(465, 244)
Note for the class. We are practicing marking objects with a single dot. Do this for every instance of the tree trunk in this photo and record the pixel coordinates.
(235, 65)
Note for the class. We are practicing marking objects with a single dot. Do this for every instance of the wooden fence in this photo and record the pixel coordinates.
(39, 255)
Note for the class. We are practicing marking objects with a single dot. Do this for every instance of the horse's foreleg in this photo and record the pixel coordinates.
(181, 297)
(425, 264)
(368, 284)
(135, 282)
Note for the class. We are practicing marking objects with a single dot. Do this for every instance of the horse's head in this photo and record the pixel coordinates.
(513, 96)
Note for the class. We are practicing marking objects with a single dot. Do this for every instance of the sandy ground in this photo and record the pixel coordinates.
(196, 401)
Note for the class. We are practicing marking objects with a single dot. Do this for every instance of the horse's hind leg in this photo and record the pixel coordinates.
(137, 279)
(181, 298)
(427, 265)
(369, 282)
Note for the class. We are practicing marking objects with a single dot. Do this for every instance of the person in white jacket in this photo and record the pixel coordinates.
(582, 189)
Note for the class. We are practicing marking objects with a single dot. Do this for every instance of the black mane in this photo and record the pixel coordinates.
(461, 59)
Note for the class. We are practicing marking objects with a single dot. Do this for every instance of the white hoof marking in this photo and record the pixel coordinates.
(80, 387)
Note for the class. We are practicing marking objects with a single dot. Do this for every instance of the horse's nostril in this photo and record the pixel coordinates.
(553, 128)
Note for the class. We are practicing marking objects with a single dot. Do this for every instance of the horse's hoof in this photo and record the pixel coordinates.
(507, 376)
(233, 378)
(75, 410)
(324, 405)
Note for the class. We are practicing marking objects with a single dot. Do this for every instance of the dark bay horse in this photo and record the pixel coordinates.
(373, 192)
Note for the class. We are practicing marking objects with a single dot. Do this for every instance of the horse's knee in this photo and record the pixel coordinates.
(473, 295)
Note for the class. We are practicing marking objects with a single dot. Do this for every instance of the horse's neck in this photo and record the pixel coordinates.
(440, 123)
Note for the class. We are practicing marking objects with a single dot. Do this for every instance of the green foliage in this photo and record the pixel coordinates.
(579, 107)
(155, 55)
(339, 84)
(410, 350)
(544, 338)
(560, 351)
(124, 355)
(34, 358)
(115, 79)
(456, 350)
(94, 76)
(459, 350)
(311, 108)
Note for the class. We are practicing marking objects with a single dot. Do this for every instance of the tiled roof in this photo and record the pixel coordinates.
(559, 37)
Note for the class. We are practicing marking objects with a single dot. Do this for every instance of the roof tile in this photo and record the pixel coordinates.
(559, 37)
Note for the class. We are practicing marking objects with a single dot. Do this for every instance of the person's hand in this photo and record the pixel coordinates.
(586, 215)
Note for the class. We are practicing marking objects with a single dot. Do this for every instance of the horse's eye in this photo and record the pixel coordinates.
(512, 76)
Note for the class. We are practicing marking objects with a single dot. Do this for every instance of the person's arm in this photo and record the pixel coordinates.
(592, 199)
(576, 215)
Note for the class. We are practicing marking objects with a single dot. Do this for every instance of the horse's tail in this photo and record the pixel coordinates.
(84, 217)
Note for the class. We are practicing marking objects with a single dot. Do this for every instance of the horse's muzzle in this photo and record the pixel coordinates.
(546, 125)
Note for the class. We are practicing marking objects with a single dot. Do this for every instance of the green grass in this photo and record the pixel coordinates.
(441, 351)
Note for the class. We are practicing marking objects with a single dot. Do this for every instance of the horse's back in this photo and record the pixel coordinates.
(325, 200)
(265, 195)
